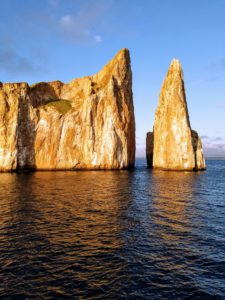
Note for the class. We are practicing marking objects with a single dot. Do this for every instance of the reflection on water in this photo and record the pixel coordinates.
(172, 197)
(113, 235)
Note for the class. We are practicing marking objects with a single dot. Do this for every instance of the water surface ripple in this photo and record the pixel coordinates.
(140, 234)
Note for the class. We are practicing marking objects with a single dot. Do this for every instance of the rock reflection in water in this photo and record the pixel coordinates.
(64, 223)
(172, 196)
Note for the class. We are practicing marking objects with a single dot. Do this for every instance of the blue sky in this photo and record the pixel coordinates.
(62, 39)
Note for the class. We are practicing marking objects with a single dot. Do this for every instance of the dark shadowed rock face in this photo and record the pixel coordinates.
(149, 148)
(199, 155)
(85, 124)
(175, 145)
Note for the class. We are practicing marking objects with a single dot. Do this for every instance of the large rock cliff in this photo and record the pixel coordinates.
(173, 145)
(85, 124)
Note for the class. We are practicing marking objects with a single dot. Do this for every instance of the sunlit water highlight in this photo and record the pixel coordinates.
(139, 234)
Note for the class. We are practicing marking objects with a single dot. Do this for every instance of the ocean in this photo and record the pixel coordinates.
(137, 234)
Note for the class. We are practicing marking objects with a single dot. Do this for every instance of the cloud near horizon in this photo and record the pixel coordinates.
(213, 146)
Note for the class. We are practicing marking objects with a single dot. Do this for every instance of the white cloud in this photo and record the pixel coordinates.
(82, 25)
(76, 28)
(66, 21)
(98, 38)
(73, 28)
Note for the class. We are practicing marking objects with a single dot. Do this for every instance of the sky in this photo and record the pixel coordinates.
(46, 40)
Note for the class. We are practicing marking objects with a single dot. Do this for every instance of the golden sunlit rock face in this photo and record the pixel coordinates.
(85, 124)
(173, 145)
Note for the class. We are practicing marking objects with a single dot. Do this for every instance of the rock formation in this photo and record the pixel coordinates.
(85, 124)
(173, 145)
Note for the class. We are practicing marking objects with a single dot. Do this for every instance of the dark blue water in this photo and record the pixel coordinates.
(139, 234)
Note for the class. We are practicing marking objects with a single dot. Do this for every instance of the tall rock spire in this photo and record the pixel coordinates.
(173, 145)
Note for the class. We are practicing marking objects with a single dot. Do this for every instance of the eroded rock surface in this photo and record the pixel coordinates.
(173, 145)
(85, 124)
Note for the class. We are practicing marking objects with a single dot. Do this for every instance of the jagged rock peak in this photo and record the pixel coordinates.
(175, 65)
(175, 70)
(173, 145)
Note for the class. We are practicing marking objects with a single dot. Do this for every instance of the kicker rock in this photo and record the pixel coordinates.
(173, 145)
(85, 124)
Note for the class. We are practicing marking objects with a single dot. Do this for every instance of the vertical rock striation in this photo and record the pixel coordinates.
(173, 145)
(85, 124)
